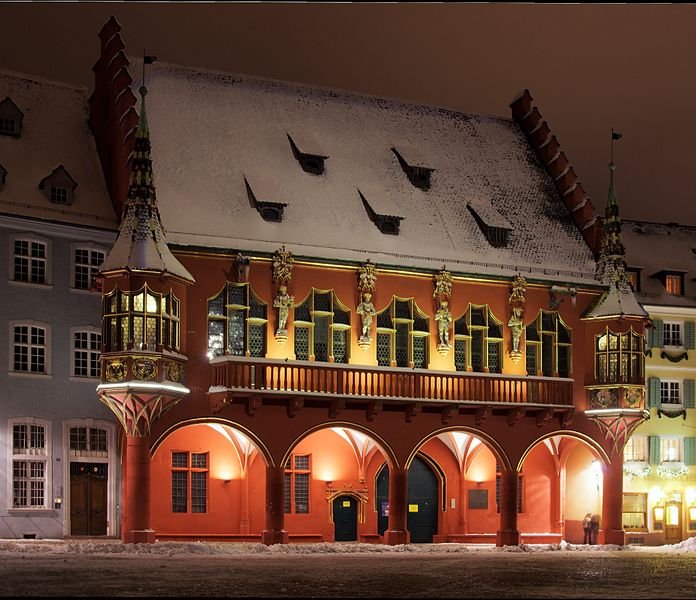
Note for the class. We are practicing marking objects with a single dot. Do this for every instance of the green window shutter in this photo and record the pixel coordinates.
(654, 392)
(689, 396)
(690, 450)
(690, 335)
(654, 442)
(658, 334)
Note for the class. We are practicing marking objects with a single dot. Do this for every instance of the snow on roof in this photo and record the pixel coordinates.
(54, 132)
(617, 302)
(654, 247)
(413, 156)
(306, 142)
(208, 129)
(487, 213)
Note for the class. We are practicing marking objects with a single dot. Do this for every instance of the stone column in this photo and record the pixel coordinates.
(398, 497)
(462, 501)
(244, 503)
(275, 512)
(612, 502)
(508, 535)
(135, 524)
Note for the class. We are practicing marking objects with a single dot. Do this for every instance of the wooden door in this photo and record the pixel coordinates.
(673, 522)
(87, 504)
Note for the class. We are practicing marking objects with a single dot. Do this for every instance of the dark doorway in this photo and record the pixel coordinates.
(88, 498)
(422, 505)
(345, 516)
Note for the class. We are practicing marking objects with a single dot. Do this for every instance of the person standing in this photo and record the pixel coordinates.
(594, 528)
(587, 528)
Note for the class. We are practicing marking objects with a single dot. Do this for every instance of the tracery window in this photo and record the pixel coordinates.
(403, 335)
(619, 357)
(189, 482)
(549, 346)
(322, 328)
(237, 322)
(144, 320)
(478, 341)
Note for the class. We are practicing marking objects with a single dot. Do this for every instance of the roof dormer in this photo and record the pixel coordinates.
(308, 152)
(269, 210)
(382, 213)
(10, 118)
(414, 165)
(59, 186)
(672, 280)
(494, 226)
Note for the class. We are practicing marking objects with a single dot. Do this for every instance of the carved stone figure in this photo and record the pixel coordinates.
(367, 311)
(443, 316)
(282, 302)
(516, 325)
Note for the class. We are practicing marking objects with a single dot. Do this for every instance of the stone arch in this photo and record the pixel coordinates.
(594, 446)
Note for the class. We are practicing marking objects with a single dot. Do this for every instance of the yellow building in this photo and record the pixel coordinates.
(660, 457)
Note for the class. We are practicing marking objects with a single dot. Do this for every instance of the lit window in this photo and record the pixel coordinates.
(670, 392)
(29, 464)
(670, 449)
(636, 449)
(87, 263)
(29, 348)
(189, 482)
(619, 357)
(635, 511)
(672, 333)
(402, 335)
(478, 341)
(322, 328)
(633, 279)
(30, 261)
(673, 284)
(297, 477)
(86, 352)
(548, 345)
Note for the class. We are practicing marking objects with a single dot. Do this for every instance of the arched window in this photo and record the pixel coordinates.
(478, 341)
(619, 357)
(237, 322)
(402, 335)
(549, 346)
(322, 328)
(144, 320)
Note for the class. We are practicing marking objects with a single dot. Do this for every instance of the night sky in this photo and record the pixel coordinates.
(589, 68)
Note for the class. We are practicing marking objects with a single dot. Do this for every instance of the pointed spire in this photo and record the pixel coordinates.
(141, 244)
(611, 264)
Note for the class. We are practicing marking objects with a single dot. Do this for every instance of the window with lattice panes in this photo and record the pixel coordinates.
(672, 333)
(635, 511)
(670, 449)
(673, 284)
(549, 346)
(403, 334)
(142, 320)
(636, 449)
(88, 441)
(478, 341)
(322, 328)
(86, 267)
(237, 322)
(189, 472)
(298, 474)
(86, 353)
(30, 261)
(30, 462)
(670, 391)
(29, 348)
(619, 357)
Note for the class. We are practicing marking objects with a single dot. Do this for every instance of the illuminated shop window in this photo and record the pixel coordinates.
(549, 346)
(619, 357)
(403, 335)
(322, 328)
(298, 473)
(635, 511)
(478, 341)
(237, 322)
(189, 482)
(144, 320)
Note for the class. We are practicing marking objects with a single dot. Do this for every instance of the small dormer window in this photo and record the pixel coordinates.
(10, 118)
(59, 186)
(269, 210)
(493, 225)
(3, 175)
(386, 223)
(672, 281)
(414, 165)
(633, 275)
(308, 152)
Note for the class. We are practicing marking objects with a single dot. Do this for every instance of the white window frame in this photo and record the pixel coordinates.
(90, 248)
(31, 237)
(90, 330)
(46, 457)
(636, 449)
(47, 348)
(673, 325)
(668, 443)
(671, 385)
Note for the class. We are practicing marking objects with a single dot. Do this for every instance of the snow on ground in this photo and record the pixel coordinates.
(158, 549)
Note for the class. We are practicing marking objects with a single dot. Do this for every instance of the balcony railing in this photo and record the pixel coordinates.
(355, 381)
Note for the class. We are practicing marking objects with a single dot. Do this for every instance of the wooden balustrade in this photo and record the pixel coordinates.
(295, 377)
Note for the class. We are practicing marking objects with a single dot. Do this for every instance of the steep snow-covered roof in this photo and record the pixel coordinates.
(54, 133)
(209, 129)
(655, 247)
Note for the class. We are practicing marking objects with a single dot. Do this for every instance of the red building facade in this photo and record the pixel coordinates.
(303, 391)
